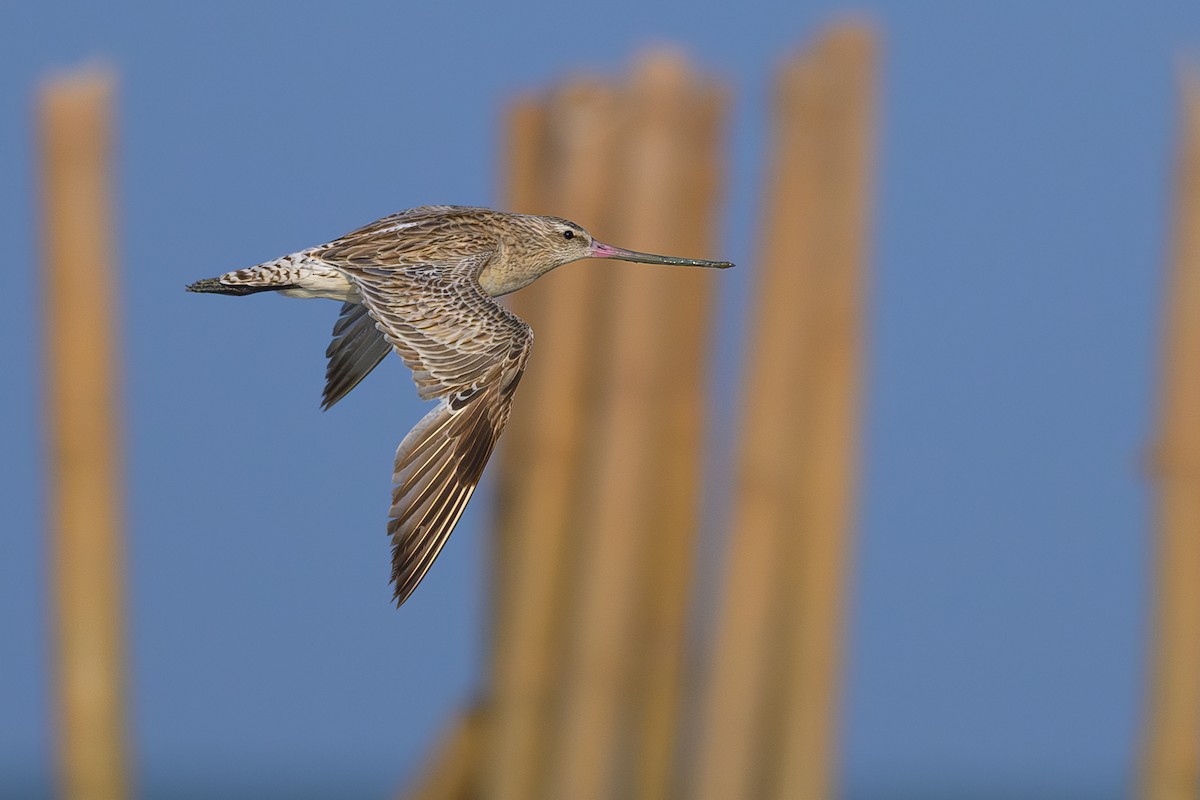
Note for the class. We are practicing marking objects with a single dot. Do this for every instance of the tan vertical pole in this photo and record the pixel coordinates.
(771, 702)
(816, 577)
(733, 748)
(1171, 756)
(85, 463)
(453, 771)
(681, 222)
(544, 465)
(595, 716)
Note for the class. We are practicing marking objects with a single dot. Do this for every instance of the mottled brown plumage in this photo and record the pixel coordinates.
(421, 283)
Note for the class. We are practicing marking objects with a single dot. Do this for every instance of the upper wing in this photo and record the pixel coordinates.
(444, 234)
(411, 241)
(469, 352)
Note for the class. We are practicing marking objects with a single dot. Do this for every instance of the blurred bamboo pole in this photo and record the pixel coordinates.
(791, 506)
(453, 772)
(732, 745)
(594, 707)
(543, 459)
(1171, 749)
(85, 463)
(826, 447)
(553, 492)
(684, 143)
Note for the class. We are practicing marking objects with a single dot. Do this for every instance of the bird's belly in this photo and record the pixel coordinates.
(326, 284)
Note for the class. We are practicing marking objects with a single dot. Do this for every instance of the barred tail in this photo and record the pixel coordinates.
(214, 286)
(271, 276)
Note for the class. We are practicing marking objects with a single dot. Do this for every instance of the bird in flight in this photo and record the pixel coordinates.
(422, 283)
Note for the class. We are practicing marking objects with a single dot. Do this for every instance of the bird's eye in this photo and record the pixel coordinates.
(568, 234)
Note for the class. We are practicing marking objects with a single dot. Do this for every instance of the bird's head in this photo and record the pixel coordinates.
(558, 241)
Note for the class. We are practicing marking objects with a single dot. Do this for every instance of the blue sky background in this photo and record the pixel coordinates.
(1001, 595)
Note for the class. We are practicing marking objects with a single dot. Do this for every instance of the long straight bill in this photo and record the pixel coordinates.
(601, 250)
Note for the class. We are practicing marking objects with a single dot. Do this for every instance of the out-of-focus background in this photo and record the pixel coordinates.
(1000, 595)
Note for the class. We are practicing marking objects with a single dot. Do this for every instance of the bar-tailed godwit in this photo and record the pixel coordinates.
(422, 283)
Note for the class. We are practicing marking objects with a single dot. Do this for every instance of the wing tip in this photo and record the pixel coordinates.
(405, 579)
(400, 596)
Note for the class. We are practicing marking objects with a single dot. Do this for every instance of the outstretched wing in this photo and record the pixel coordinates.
(356, 349)
(466, 351)
(405, 241)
